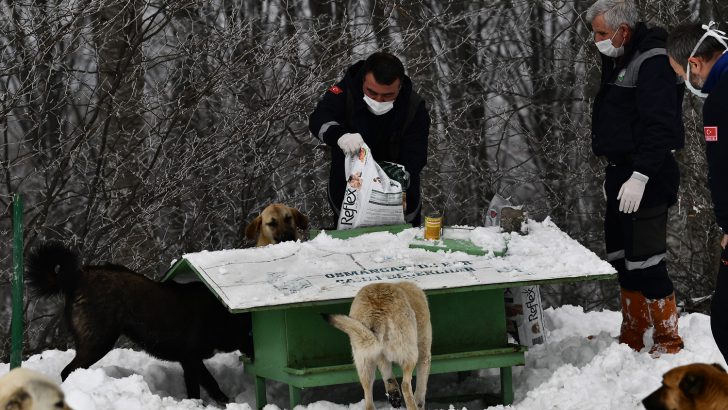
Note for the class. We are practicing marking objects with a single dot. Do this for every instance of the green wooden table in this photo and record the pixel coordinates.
(294, 345)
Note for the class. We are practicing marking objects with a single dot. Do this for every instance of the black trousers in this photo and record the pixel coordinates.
(719, 306)
(637, 243)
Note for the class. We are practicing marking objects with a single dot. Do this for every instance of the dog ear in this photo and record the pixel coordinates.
(251, 232)
(301, 219)
(692, 384)
(719, 367)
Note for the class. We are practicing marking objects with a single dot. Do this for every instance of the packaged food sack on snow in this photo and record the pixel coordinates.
(524, 314)
(371, 197)
(524, 310)
(510, 218)
(492, 214)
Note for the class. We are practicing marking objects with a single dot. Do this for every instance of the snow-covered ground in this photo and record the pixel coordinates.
(569, 371)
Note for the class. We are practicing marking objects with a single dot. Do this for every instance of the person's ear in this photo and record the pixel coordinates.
(626, 33)
(695, 63)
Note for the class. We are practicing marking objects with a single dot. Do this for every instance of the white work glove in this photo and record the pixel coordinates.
(631, 193)
(350, 143)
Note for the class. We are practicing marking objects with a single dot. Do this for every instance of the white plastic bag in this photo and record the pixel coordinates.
(492, 214)
(371, 197)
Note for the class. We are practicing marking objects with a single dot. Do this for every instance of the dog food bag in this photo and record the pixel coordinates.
(510, 218)
(524, 310)
(492, 214)
(371, 197)
(524, 314)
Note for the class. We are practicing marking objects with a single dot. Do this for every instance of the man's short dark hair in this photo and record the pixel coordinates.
(385, 67)
(682, 40)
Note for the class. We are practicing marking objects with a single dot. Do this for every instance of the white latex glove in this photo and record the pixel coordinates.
(631, 193)
(350, 143)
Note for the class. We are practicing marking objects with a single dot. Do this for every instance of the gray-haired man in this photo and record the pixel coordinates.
(636, 122)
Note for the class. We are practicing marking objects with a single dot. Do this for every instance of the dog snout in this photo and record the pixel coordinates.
(286, 235)
(654, 401)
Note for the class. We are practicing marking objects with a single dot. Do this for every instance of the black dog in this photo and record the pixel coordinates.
(176, 322)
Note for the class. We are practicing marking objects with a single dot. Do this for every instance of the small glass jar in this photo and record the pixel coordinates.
(433, 226)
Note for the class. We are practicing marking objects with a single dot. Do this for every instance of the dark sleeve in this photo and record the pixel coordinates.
(715, 114)
(657, 109)
(413, 145)
(327, 121)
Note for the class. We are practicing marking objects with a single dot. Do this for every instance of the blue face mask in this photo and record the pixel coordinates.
(709, 32)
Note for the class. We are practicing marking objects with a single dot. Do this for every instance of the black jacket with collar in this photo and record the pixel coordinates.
(715, 121)
(329, 122)
(641, 123)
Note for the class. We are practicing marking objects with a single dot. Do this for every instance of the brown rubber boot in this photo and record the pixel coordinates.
(635, 318)
(664, 317)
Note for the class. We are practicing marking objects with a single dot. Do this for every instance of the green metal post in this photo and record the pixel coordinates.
(294, 394)
(506, 376)
(260, 397)
(16, 352)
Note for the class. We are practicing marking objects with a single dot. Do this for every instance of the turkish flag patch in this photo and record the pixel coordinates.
(711, 133)
(336, 89)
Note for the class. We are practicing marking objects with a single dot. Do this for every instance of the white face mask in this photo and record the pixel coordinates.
(709, 32)
(607, 48)
(378, 108)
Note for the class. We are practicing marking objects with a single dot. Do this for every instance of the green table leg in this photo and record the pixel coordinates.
(295, 395)
(260, 399)
(506, 376)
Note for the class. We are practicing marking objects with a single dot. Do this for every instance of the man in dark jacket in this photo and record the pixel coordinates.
(374, 104)
(698, 54)
(636, 123)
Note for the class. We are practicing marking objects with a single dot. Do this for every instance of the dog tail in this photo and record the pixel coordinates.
(354, 328)
(52, 268)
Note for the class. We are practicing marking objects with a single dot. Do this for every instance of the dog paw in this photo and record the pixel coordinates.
(217, 395)
(222, 399)
(395, 398)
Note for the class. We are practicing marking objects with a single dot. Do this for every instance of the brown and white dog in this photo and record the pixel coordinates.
(24, 389)
(696, 386)
(277, 223)
(389, 322)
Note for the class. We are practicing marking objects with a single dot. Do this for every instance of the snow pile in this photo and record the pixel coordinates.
(570, 371)
(327, 268)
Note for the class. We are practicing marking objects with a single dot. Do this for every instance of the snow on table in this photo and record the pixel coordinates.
(327, 268)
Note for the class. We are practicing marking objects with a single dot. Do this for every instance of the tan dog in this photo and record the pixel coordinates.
(696, 386)
(277, 223)
(23, 389)
(390, 322)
